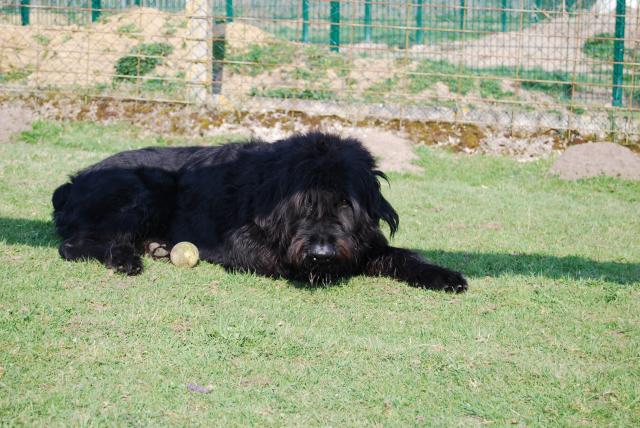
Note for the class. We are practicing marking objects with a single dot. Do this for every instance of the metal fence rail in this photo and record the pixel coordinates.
(526, 64)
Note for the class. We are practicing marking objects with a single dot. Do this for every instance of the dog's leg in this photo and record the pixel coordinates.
(407, 266)
(245, 250)
(120, 255)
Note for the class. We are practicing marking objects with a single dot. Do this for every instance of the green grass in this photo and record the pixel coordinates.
(314, 61)
(548, 334)
(377, 91)
(261, 58)
(129, 29)
(461, 80)
(41, 39)
(15, 75)
(492, 89)
(288, 93)
(601, 47)
(144, 58)
(429, 72)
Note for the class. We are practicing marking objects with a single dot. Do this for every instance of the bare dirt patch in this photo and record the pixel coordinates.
(15, 118)
(393, 152)
(594, 159)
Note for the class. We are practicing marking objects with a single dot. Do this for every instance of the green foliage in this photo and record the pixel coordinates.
(165, 85)
(260, 58)
(14, 75)
(144, 58)
(554, 83)
(41, 39)
(129, 29)
(492, 89)
(287, 93)
(376, 92)
(41, 131)
(153, 49)
(429, 72)
(319, 59)
(169, 28)
(601, 47)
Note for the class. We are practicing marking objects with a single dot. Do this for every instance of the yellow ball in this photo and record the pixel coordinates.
(184, 254)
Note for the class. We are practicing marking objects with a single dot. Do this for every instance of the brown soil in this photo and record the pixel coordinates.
(393, 152)
(391, 141)
(594, 159)
(64, 55)
(15, 118)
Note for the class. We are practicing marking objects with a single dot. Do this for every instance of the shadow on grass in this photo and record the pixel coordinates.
(39, 233)
(36, 233)
(573, 267)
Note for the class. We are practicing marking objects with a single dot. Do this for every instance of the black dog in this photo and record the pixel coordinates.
(306, 208)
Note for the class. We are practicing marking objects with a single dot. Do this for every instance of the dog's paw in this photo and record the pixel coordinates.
(157, 250)
(452, 282)
(123, 259)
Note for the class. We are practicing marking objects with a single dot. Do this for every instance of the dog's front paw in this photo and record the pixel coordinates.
(123, 259)
(452, 282)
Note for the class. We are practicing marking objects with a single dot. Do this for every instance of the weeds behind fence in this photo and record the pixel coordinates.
(523, 64)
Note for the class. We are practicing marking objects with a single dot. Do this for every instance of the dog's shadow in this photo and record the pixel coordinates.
(40, 233)
(35, 233)
(475, 264)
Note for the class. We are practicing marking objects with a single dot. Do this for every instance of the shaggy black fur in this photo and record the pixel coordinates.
(306, 208)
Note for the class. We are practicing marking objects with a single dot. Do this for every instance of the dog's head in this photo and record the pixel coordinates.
(328, 208)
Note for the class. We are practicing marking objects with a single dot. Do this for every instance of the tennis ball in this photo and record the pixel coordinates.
(184, 254)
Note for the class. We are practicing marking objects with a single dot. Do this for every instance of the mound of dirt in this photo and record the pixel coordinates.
(72, 55)
(392, 152)
(240, 36)
(594, 159)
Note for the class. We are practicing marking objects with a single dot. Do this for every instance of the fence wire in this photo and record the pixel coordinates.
(518, 64)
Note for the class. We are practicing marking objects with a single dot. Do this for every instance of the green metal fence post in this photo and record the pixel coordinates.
(538, 7)
(25, 9)
(367, 21)
(503, 16)
(229, 10)
(618, 55)
(419, 22)
(462, 13)
(96, 11)
(334, 34)
(305, 21)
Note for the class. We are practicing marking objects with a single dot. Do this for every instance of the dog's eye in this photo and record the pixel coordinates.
(344, 203)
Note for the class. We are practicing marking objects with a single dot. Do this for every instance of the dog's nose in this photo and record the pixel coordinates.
(322, 252)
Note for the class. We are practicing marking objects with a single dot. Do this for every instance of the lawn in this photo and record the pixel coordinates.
(547, 335)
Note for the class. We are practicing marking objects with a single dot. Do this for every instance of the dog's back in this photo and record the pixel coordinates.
(139, 182)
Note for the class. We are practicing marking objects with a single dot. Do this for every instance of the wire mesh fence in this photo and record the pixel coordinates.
(520, 64)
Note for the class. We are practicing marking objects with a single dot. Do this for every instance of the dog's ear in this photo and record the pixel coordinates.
(383, 209)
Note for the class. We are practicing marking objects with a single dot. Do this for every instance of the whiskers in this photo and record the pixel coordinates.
(320, 279)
